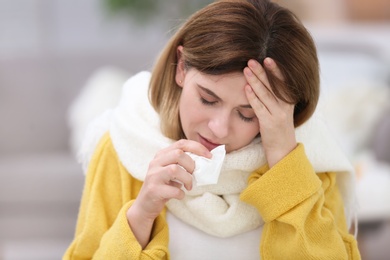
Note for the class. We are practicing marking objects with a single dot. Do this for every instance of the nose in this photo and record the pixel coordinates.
(219, 125)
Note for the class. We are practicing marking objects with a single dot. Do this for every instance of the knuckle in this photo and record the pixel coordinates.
(178, 153)
(178, 194)
(150, 178)
(172, 168)
(181, 143)
(151, 188)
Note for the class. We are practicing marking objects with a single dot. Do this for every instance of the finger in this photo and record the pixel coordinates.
(255, 102)
(176, 184)
(273, 68)
(176, 156)
(266, 97)
(260, 73)
(176, 173)
(192, 147)
(165, 174)
(185, 146)
(188, 146)
(271, 65)
(168, 192)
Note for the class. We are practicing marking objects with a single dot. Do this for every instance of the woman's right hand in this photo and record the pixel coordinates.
(170, 169)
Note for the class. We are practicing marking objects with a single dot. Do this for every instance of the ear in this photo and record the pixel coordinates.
(180, 68)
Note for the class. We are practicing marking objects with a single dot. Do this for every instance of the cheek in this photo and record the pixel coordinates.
(252, 131)
(190, 112)
(246, 132)
(255, 129)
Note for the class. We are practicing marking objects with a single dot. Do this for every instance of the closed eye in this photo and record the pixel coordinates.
(208, 103)
(244, 118)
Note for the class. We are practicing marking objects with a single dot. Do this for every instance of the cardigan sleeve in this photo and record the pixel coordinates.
(102, 230)
(303, 211)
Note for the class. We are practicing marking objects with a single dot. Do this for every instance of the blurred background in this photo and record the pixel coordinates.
(63, 62)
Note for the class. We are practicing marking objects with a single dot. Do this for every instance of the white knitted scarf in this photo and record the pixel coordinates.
(134, 128)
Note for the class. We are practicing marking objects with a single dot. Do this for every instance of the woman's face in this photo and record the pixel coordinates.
(214, 109)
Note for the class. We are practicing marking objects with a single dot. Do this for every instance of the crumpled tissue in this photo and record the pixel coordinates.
(207, 170)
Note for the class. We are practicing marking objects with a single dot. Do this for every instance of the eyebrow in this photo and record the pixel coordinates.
(211, 93)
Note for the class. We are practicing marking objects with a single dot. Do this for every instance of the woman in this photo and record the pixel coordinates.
(243, 74)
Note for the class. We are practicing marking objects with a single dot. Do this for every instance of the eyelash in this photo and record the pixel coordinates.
(246, 119)
(208, 103)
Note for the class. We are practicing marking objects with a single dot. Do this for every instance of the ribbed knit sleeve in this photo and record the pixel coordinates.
(303, 211)
(102, 230)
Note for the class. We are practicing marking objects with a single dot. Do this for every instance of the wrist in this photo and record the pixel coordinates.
(275, 155)
(140, 225)
(136, 215)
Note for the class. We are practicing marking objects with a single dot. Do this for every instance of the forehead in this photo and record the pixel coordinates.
(229, 87)
(233, 79)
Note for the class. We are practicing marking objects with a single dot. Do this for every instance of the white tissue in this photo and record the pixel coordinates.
(207, 170)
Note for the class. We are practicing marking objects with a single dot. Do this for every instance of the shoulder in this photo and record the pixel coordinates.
(105, 163)
(104, 151)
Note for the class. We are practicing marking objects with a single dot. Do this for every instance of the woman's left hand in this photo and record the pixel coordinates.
(275, 116)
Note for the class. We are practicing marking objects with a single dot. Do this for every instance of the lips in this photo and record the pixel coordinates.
(208, 144)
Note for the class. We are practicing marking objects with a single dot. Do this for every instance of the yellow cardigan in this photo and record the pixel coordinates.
(303, 212)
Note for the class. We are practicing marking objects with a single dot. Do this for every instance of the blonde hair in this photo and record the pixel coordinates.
(221, 38)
